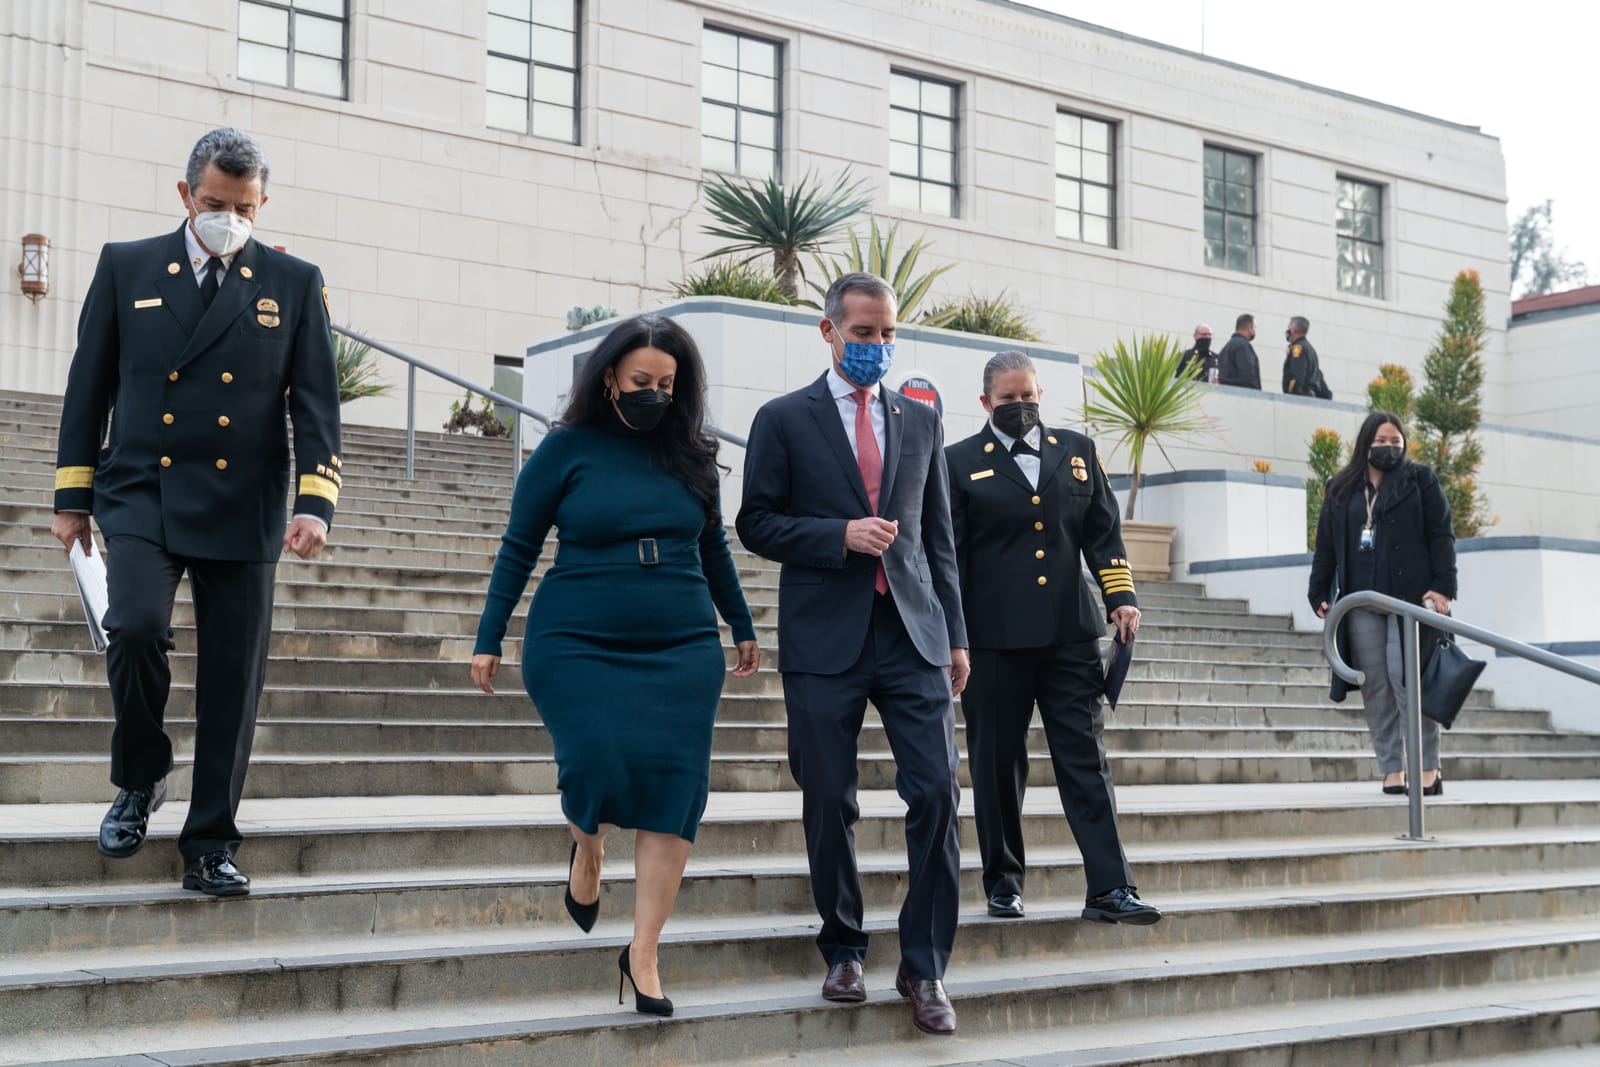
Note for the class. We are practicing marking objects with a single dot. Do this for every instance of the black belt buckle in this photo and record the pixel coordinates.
(649, 552)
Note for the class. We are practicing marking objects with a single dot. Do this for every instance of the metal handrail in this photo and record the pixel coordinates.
(1414, 616)
(518, 409)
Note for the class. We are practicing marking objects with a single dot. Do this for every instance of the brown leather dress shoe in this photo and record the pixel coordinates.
(844, 983)
(931, 1009)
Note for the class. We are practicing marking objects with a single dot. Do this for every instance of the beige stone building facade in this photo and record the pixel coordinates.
(466, 172)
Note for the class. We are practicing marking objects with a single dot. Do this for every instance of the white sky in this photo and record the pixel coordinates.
(1522, 71)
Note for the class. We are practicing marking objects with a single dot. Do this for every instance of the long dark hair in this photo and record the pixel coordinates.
(686, 451)
(1354, 472)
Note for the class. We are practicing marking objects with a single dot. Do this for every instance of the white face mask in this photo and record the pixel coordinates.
(222, 232)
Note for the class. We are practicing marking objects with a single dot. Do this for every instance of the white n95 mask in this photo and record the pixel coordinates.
(223, 232)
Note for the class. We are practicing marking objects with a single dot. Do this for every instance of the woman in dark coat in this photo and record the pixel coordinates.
(1385, 526)
(622, 655)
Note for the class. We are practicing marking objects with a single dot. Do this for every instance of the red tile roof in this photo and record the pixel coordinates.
(1589, 294)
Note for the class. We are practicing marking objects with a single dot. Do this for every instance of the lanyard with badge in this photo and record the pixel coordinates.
(1371, 496)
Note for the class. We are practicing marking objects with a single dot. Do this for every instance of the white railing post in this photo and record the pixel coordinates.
(411, 421)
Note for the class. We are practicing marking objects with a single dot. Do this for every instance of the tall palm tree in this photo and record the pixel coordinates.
(784, 221)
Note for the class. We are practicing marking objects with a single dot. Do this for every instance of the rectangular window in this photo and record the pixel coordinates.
(922, 144)
(533, 68)
(1230, 181)
(1086, 188)
(741, 114)
(1360, 229)
(298, 44)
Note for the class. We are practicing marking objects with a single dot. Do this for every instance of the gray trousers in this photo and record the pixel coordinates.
(1375, 647)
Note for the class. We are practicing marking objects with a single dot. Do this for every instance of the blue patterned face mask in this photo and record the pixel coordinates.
(864, 364)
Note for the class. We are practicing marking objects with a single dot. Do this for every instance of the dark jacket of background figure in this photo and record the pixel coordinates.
(1302, 372)
(1237, 364)
(802, 487)
(1192, 356)
(1414, 516)
(1003, 555)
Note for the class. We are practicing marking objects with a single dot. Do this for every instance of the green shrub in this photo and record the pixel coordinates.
(743, 281)
(357, 368)
(994, 316)
(1392, 390)
(1325, 459)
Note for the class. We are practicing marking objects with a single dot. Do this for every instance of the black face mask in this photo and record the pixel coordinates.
(1288, 335)
(1016, 418)
(1386, 457)
(1202, 345)
(643, 409)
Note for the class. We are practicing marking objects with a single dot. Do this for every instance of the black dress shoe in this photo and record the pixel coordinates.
(845, 983)
(1122, 905)
(931, 1010)
(1006, 907)
(122, 830)
(215, 875)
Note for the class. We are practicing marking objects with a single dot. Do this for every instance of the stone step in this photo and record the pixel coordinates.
(745, 1005)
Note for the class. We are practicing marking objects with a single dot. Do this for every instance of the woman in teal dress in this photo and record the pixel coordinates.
(622, 656)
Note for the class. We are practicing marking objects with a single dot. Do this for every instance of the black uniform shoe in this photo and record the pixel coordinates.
(1122, 905)
(1006, 907)
(215, 875)
(122, 830)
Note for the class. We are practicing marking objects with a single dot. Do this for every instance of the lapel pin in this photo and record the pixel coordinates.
(989, 447)
(173, 268)
(246, 273)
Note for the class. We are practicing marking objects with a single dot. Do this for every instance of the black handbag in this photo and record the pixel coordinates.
(1447, 679)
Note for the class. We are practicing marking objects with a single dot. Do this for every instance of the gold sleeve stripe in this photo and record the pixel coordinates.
(312, 485)
(1112, 572)
(1113, 590)
(1116, 581)
(74, 477)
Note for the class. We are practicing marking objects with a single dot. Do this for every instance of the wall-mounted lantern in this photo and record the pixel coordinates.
(35, 267)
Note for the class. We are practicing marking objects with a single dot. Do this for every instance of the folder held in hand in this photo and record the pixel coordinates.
(90, 573)
(1118, 659)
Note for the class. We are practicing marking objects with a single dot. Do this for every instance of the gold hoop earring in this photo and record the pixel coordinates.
(606, 392)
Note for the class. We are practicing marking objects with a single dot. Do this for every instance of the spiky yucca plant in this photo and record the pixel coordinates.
(357, 368)
(992, 315)
(878, 258)
(784, 221)
(1140, 397)
(742, 281)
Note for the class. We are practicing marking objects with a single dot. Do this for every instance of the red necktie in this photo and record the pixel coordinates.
(870, 460)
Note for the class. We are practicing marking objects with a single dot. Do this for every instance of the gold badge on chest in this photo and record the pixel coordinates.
(1079, 469)
(266, 303)
(268, 321)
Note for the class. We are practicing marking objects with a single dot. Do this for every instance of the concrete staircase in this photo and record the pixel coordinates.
(408, 853)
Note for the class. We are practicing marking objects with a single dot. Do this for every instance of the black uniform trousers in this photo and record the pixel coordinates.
(233, 619)
(825, 713)
(1066, 681)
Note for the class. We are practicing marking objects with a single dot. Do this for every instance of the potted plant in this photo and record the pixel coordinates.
(1138, 396)
(357, 368)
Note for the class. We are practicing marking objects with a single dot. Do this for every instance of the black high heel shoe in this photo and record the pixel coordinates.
(1395, 790)
(582, 914)
(641, 1003)
(1436, 789)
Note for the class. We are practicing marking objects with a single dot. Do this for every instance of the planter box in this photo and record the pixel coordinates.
(1223, 514)
(1149, 546)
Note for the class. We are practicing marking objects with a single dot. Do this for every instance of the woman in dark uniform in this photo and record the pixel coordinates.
(622, 656)
(1385, 525)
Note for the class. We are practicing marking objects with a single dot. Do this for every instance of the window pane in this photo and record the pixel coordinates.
(938, 200)
(1238, 230)
(1241, 169)
(1345, 222)
(1216, 255)
(759, 130)
(758, 163)
(1069, 129)
(1096, 230)
(938, 166)
(1069, 161)
(315, 74)
(938, 133)
(1238, 199)
(507, 113)
(1214, 196)
(508, 37)
(903, 192)
(1367, 227)
(903, 126)
(555, 86)
(1096, 135)
(1366, 197)
(758, 57)
(508, 76)
(326, 7)
(902, 158)
(1345, 198)
(1067, 194)
(1096, 167)
(319, 36)
(721, 48)
(258, 63)
(903, 93)
(516, 9)
(558, 14)
(556, 123)
(554, 46)
(717, 121)
(1096, 200)
(1213, 167)
(758, 92)
(716, 155)
(1067, 224)
(721, 84)
(938, 98)
(263, 25)
(1213, 225)
(1238, 258)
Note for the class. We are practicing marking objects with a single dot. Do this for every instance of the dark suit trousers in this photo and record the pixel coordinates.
(825, 713)
(233, 617)
(1065, 681)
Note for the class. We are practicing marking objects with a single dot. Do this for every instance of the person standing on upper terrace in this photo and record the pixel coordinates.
(1237, 363)
(621, 654)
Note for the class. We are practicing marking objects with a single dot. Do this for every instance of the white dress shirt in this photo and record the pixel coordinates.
(844, 398)
(198, 257)
(1028, 463)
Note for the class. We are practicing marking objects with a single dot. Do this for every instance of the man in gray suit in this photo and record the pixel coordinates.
(845, 484)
